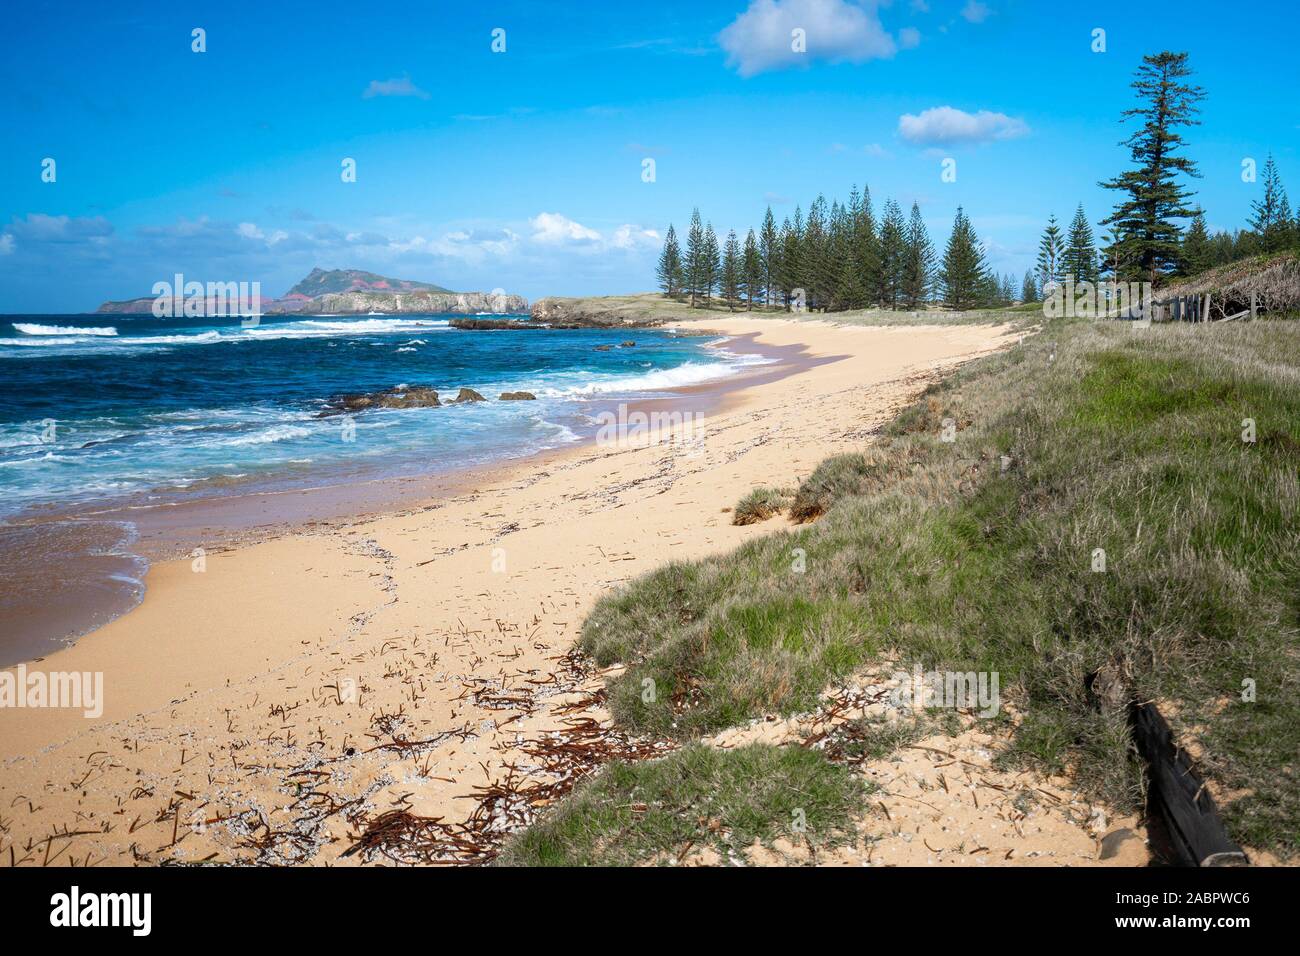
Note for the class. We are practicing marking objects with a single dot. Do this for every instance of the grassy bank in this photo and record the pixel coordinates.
(979, 553)
(697, 798)
(656, 308)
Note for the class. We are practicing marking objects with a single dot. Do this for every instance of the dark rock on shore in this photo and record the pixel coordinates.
(489, 325)
(598, 312)
(466, 395)
(388, 398)
(518, 397)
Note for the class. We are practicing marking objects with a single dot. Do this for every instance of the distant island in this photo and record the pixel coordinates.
(356, 292)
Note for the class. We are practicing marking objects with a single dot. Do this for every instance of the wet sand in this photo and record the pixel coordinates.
(71, 571)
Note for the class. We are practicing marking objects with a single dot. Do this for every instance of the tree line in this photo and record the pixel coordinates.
(843, 256)
(840, 256)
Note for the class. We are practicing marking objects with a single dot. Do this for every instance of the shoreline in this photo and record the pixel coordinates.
(103, 582)
(390, 645)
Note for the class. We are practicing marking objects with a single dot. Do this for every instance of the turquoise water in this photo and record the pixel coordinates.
(103, 407)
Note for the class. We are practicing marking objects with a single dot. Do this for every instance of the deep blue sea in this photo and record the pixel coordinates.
(96, 407)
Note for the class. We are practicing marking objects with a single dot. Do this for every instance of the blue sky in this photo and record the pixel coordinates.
(523, 170)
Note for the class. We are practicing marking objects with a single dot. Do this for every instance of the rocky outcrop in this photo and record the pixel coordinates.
(466, 395)
(494, 325)
(388, 398)
(129, 306)
(565, 313)
(518, 397)
(361, 303)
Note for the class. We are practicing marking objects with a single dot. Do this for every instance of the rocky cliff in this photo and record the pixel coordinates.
(593, 313)
(320, 282)
(359, 303)
(353, 292)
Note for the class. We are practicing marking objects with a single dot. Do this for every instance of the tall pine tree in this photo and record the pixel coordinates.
(751, 270)
(918, 266)
(769, 251)
(1080, 257)
(893, 255)
(1153, 195)
(1028, 288)
(670, 265)
(792, 258)
(694, 258)
(1051, 251)
(866, 249)
(730, 275)
(817, 270)
(1271, 217)
(1197, 255)
(963, 277)
(710, 263)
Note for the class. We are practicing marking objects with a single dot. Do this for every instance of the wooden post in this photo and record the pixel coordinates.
(1252, 305)
(1208, 297)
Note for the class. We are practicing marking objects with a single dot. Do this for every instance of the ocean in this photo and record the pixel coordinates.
(111, 412)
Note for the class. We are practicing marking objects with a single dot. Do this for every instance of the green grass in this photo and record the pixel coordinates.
(760, 504)
(1018, 317)
(1124, 440)
(655, 307)
(696, 797)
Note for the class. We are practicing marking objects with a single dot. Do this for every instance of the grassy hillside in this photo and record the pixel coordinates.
(977, 554)
(654, 307)
(321, 282)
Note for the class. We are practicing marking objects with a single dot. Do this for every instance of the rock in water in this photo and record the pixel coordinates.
(626, 345)
(518, 397)
(388, 398)
(467, 395)
(603, 348)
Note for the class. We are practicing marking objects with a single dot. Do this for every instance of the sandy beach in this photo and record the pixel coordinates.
(269, 706)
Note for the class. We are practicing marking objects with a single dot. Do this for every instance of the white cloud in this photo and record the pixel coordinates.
(475, 245)
(761, 38)
(909, 38)
(6, 244)
(876, 150)
(945, 126)
(38, 227)
(250, 230)
(552, 228)
(398, 86)
(628, 236)
(975, 12)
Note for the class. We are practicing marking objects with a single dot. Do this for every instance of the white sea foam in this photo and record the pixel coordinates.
(688, 373)
(273, 434)
(33, 328)
(315, 328)
(63, 336)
